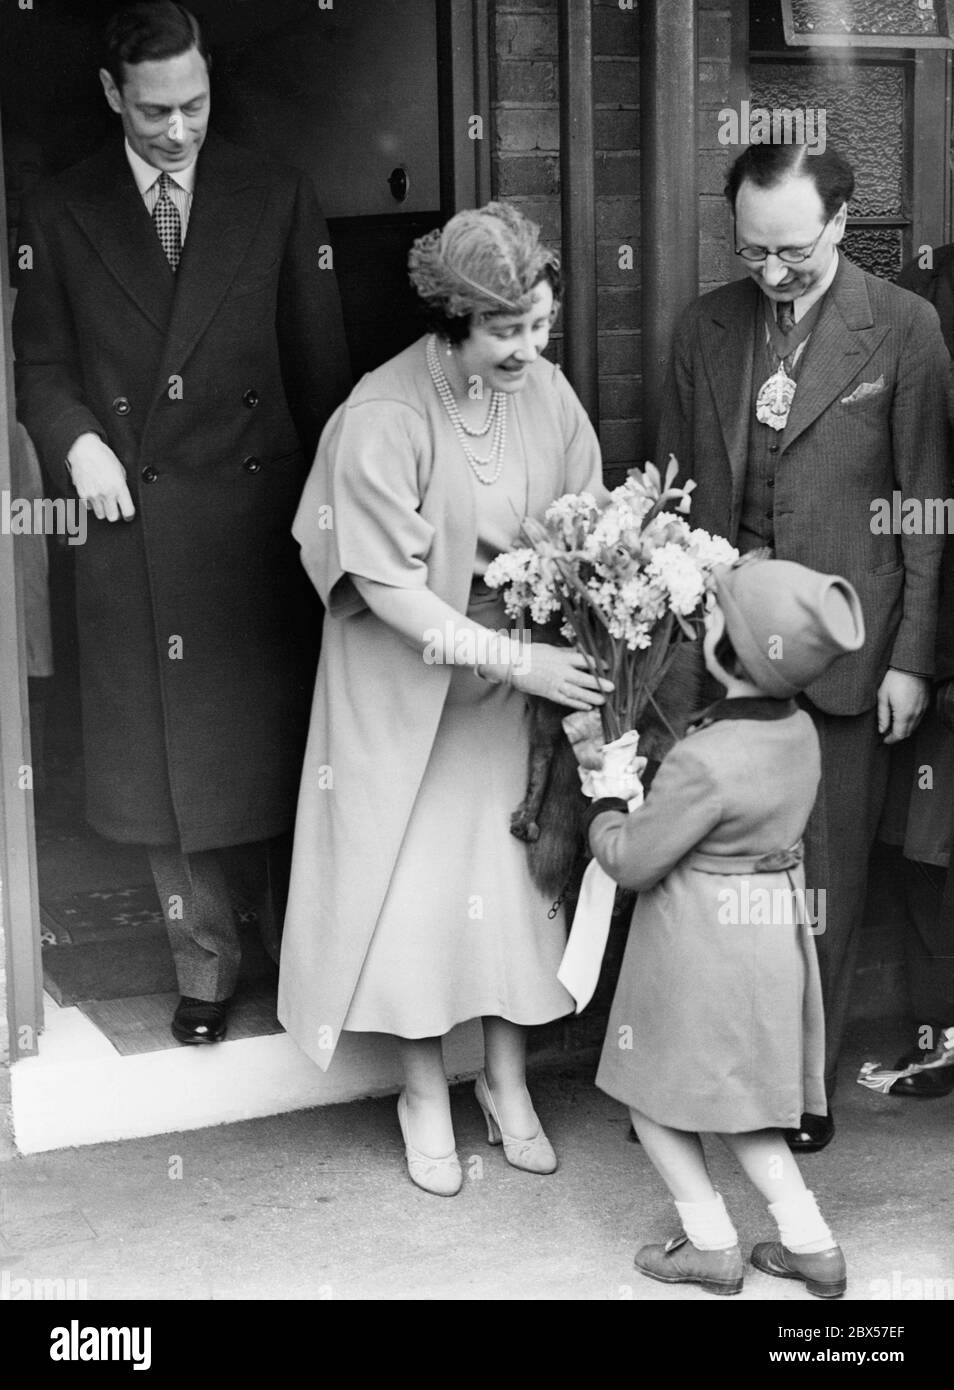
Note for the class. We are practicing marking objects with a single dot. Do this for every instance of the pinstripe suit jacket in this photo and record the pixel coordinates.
(842, 449)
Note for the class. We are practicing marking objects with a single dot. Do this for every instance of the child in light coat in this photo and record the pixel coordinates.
(717, 1022)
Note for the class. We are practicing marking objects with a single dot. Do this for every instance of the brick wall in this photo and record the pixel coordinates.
(526, 135)
(526, 171)
(717, 263)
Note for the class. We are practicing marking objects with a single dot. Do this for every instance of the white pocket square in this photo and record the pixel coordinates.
(867, 388)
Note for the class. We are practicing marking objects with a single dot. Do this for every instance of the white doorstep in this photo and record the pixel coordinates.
(80, 1090)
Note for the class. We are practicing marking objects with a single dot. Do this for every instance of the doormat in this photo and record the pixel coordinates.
(112, 944)
(142, 1024)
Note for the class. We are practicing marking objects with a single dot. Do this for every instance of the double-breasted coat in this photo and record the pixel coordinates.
(198, 634)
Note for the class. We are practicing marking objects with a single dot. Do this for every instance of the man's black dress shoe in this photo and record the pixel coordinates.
(813, 1133)
(922, 1085)
(200, 1020)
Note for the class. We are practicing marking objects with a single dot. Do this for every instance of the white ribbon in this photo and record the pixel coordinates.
(579, 969)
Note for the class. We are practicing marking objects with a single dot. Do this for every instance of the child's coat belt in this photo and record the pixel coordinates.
(776, 861)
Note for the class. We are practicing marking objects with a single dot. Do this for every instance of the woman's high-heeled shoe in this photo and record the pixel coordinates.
(442, 1176)
(531, 1155)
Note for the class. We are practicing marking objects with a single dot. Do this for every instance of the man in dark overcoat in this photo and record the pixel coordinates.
(920, 812)
(802, 399)
(179, 347)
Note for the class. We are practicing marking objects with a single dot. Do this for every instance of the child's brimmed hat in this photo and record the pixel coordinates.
(786, 622)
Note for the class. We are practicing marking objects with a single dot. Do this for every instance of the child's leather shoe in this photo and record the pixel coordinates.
(679, 1262)
(823, 1273)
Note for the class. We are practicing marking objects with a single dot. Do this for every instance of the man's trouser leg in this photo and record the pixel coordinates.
(259, 874)
(929, 944)
(838, 841)
(199, 920)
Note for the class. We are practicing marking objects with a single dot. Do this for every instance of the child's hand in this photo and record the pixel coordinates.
(585, 732)
(611, 769)
(625, 784)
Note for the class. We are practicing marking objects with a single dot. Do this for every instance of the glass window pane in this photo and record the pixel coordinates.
(864, 17)
(864, 119)
(877, 249)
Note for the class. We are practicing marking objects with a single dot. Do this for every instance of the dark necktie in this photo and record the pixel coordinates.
(785, 315)
(165, 216)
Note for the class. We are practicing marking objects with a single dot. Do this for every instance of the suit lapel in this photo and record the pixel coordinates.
(227, 209)
(113, 217)
(728, 335)
(843, 339)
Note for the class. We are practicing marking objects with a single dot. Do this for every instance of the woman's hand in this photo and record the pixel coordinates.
(560, 674)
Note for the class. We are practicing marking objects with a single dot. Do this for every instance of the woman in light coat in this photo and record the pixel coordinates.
(411, 907)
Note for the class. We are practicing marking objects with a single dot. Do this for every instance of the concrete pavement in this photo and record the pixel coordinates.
(317, 1204)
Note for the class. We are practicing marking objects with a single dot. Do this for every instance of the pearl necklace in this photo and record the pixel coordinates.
(496, 418)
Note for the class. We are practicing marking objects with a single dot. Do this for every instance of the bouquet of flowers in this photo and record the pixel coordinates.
(628, 583)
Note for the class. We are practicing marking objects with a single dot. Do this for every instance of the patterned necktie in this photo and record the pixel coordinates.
(785, 316)
(165, 216)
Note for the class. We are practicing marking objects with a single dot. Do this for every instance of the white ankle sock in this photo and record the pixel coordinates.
(801, 1226)
(707, 1224)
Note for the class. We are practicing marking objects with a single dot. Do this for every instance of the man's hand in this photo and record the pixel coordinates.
(100, 479)
(902, 700)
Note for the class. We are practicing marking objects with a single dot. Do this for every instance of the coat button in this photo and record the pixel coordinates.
(121, 405)
(773, 448)
(149, 475)
(252, 464)
(250, 398)
(770, 482)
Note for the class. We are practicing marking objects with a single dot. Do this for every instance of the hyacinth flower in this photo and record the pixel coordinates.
(628, 580)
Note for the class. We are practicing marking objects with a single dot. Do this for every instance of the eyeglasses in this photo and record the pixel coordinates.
(788, 255)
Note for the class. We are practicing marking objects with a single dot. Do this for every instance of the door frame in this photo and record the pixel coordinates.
(463, 37)
(463, 45)
(19, 896)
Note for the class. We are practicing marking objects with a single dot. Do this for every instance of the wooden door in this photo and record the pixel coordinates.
(348, 91)
(350, 94)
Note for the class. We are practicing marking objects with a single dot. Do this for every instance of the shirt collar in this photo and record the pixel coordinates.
(801, 306)
(146, 174)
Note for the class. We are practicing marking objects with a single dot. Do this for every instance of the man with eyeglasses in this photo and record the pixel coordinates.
(796, 397)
